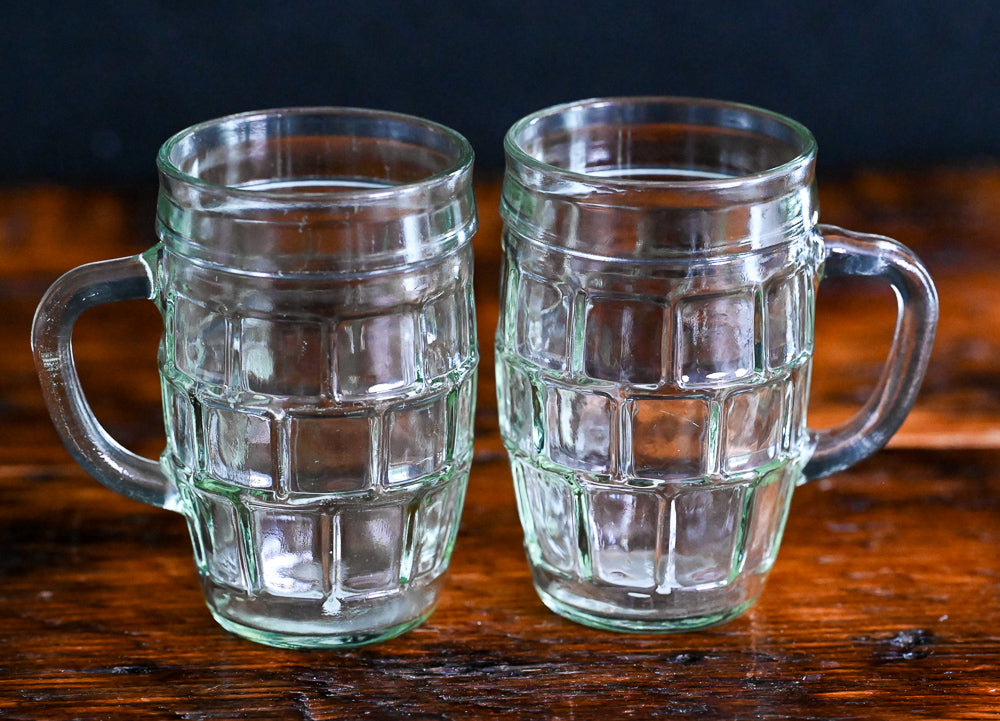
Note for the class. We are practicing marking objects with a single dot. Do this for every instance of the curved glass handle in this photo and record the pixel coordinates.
(860, 254)
(119, 469)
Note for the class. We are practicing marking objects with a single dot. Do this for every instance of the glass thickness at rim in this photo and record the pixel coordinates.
(524, 141)
(260, 125)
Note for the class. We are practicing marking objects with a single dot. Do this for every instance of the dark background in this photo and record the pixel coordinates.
(92, 88)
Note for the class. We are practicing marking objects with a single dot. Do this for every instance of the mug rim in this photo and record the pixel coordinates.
(806, 152)
(463, 161)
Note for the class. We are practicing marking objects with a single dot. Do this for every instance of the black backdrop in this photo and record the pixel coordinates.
(91, 88)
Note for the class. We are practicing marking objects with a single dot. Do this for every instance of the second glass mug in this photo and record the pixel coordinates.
(653, 353)
(318, 366)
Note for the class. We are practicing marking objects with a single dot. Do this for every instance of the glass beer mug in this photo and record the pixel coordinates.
(661, 259)
(318, 366)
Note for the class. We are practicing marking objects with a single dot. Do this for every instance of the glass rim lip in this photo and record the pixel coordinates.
(806, 153)
(461, 164)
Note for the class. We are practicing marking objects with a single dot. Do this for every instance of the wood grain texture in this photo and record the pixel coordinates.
(884, 602)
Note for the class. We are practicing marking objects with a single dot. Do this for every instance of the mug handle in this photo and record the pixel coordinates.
(118, 468)
(875, 256)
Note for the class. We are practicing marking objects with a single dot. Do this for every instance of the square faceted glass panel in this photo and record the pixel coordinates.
(520, 408)
(753, 423)
(201, 341)
(418, 437)
(433, 529)
(579, 428)
(670, 437)
(239, 447)
(788, 314)
(330, 454)
(447, 334)
(218, 541)
(625, 543)
(463, 401)
(708, 525)
(796, 402)
(377, 354)
(182, 437)
(541, 322)
(370, 543)
(548, 507)
(624, 340)
(290, 551)
(285, 358)
(768, 509)
(716, 339)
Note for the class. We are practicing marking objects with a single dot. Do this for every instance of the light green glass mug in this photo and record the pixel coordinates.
(654, 351)
(318, 366)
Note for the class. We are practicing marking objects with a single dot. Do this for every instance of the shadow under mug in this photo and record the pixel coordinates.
(653, 353)
(318, 366)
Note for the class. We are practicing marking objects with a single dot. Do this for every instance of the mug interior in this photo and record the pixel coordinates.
(314, 150)
(660, 140)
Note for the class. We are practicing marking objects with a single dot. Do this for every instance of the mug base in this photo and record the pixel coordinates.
(318, 641)
(315, 623)
(625, 610)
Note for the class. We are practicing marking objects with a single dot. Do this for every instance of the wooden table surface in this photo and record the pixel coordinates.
(884, 602)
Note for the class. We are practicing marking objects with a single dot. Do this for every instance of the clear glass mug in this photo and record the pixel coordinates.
(661, 258)
(318, 366)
